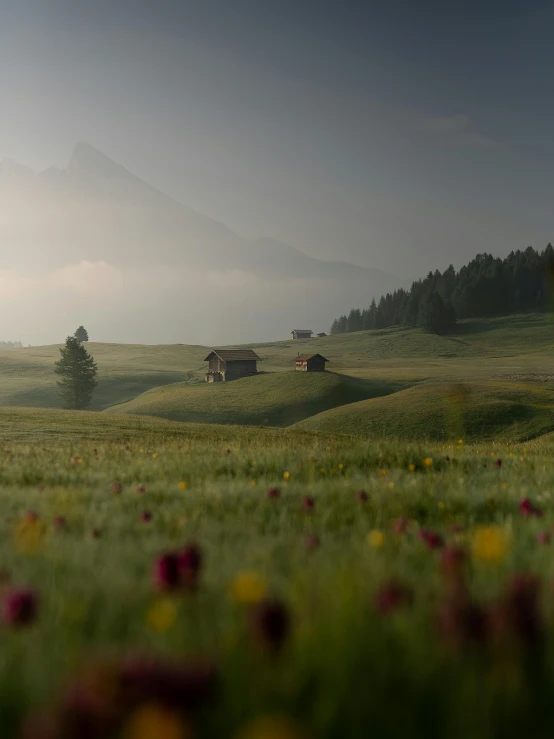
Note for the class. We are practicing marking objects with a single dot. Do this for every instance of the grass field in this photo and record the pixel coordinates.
(478, 350)
(510, 411)
(276, 399)
(425, 608)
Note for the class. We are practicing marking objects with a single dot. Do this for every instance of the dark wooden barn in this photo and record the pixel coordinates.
(322, 334)
(231, 364)
(311, 363)
(301, 333)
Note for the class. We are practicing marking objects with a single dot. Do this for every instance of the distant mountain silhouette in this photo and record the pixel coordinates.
(100, 211)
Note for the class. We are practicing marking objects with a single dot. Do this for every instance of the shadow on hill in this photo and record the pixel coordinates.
(270, 399)
(441, 411)
(110, 390)
(485, 325)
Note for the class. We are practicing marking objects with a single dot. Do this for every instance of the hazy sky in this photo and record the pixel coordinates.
(402, 135)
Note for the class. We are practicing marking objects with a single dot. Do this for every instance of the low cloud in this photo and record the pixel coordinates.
(161, 305)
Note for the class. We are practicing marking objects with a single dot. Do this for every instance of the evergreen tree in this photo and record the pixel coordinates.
(435, 315)
(81, 334)
(77, 371)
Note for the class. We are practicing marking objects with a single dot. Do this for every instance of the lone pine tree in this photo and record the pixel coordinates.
(77, 371)
(81, 334)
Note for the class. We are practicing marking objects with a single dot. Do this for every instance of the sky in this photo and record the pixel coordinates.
(397, 135)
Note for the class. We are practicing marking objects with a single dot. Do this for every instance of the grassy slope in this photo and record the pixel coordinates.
(347, 665)
(278, 399)
(479, 351)
(471, 410)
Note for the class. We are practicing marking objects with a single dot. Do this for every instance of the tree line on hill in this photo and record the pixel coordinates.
(486, 286)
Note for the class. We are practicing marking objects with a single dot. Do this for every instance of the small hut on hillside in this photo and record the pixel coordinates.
(311, 363)
(231, 364)
(301, 333)
(322, 334)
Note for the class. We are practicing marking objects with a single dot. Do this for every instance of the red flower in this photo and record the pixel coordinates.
(270, 623)
(392, 596)
(141, 488)
(146, 517)
(361, 495)
(544, 537)
(273, 493)
(166, 572)
(308, 503)
(20, 607)
(31, 516)
(190, 563)
(431, 539)
(117, 487)
(498, 463)
(528, 508)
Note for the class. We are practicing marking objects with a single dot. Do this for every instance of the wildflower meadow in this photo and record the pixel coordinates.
(258, 584)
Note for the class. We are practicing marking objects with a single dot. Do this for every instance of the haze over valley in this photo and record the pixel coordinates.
(94, 240)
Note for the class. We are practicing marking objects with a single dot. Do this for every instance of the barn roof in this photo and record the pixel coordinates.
(301, 331)
(233, 355)
(305, 357)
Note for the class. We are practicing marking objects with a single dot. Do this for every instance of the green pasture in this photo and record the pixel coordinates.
(347, 666)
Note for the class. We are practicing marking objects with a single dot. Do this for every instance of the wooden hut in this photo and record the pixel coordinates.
(231, 364)
(310, 363)
(301, 333)
(321, 335)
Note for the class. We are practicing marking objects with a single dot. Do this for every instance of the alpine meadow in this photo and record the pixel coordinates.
(276, 370)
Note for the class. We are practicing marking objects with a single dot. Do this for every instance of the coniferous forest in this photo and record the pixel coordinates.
(487, 286)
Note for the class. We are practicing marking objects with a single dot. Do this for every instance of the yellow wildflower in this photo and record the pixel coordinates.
(183, 485)
(322, 470)
(153, 721)
(29, 535)
(162, 615)
(271, 727)
(286, 475)
(340, 466)
(383, 473)
(252, 483)
(411, 467)
(375, 538)
(428, 461)
(248, 588)
(460, 441)
(489, 543)
(154, 455)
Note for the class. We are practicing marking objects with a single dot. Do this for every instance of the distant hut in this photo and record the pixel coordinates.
(311, 363)
(301, 333)
(231, 364)
(321, 335)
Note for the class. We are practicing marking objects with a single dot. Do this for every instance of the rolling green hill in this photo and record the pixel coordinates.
(277, 399)
(446, 411)
(508, 349)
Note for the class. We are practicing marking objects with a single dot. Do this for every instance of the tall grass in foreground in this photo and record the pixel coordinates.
(241, 585)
